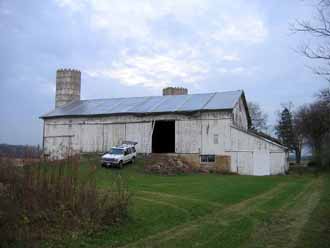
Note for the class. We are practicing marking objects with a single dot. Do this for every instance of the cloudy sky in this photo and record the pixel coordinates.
(135, 48)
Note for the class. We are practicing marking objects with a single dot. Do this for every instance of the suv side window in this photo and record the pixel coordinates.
(126, 152)
(133, 149)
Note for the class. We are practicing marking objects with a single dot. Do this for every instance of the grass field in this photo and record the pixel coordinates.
(217, 211)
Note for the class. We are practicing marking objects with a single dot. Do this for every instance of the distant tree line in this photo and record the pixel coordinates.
(20, 151)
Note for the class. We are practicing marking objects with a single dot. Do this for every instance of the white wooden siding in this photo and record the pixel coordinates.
(266, 158)
(276, 160)
(240, 116)
(141, 133)
(188, 136)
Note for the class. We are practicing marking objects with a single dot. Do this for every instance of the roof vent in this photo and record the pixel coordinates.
(173, 91)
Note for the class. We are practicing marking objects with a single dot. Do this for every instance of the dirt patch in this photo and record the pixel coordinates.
(168, 165)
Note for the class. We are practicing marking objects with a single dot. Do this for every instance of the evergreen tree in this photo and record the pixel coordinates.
(284, 129)
(287, 134)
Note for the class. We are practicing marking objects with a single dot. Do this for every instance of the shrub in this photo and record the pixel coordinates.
(45, 200)
(312, 163)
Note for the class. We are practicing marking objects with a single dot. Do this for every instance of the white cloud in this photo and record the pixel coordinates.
(154, 57)
(74, 5)
(241, 29)
(130, 18)
(231, 57)
(225, 56)
(238, 70)
(133, 19)
(153, 70)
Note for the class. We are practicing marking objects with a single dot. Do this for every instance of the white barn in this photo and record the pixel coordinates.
(210, 129)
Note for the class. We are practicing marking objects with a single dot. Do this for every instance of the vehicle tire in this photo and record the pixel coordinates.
(120, 165)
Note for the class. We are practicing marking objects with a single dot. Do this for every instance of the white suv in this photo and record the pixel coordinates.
(119, 155)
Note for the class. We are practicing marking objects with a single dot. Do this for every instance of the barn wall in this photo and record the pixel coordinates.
(253, 155)
(99, 134)
(240, 116)
(276, 159)
(90, 138)
(188, 136)
(57, 146)
(202, 133)
(113, 134)
(242, 162)
(215, 136)
(141, 133)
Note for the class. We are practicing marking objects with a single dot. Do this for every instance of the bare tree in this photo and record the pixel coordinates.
(313, 121)
(324, 96)
(319, 30)
(258, 117)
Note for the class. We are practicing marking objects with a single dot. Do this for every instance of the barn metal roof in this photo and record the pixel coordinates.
(149, 104)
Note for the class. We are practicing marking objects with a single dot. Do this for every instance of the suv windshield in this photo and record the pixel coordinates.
(117, 151)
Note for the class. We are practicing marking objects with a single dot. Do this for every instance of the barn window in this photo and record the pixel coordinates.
(216, 139)
(207, 158)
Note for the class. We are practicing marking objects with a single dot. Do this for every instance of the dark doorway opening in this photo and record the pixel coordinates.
(163, 137)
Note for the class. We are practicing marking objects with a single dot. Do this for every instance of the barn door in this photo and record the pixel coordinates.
(277, 163)
(261, 163)
(244, 161)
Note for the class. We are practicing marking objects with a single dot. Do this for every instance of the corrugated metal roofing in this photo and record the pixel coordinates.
(151, 104)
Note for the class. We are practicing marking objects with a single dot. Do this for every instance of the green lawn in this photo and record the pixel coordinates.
(216, 211)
